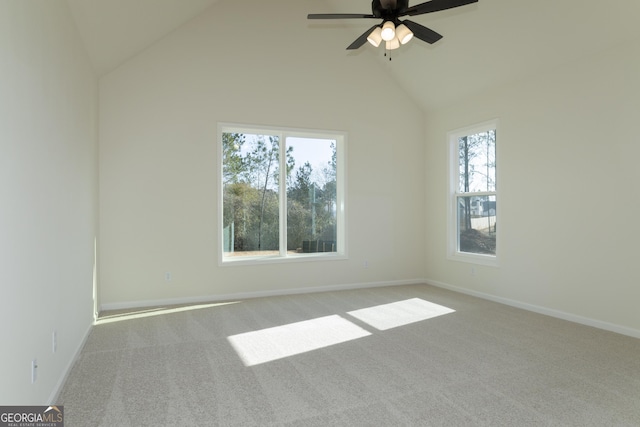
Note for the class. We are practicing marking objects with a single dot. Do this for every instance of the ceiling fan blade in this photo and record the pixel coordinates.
(435, 6)
(362, 39)
(422, 32)
(337, 16)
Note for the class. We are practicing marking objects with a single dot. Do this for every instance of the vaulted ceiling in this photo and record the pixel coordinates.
(485, 44)
(115, 30)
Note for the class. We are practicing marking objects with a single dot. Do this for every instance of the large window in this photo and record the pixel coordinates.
(473, 200)
(282, 194)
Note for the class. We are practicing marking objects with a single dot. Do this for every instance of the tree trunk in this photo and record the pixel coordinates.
(264, 194)
(467, 200)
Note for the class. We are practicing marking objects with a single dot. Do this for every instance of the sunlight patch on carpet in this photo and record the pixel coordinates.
(400, 313)
(275, 343)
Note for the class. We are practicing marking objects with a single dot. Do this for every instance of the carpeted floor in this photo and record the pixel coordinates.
(393, 356)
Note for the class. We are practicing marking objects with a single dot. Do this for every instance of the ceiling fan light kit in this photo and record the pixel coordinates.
(393, 31)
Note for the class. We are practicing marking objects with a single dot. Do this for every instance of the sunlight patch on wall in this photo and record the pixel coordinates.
(270, 344)
(155, 312)
(400, 313)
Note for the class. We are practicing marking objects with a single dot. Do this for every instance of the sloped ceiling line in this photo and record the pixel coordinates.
(485, 44)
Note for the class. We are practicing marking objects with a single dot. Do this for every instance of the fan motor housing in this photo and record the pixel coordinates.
(388, 9)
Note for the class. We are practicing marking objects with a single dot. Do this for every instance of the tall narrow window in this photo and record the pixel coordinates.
(282, 194)
(473, 209)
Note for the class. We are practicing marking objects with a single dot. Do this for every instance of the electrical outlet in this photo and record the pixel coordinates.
(54, 341)
(34, 370)
(366, 264)
(168, 276)
(473, 270)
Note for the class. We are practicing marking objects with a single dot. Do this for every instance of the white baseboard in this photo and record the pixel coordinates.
(257, 294)
(541, 310)
(63, 378)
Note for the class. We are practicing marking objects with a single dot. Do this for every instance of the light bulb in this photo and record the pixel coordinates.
(388, 31)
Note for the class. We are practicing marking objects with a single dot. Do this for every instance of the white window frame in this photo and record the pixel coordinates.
(341, 186)
(453, 253)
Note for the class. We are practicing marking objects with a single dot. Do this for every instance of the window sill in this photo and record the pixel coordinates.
(488, 260)
(276, 259)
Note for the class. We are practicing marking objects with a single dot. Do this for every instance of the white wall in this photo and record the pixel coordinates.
(158, 183)
(569, 224)
(48, 191)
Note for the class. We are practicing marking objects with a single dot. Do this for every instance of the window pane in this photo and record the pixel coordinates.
(250, 174)
(311, 195)
(477, 224)
(477, 162)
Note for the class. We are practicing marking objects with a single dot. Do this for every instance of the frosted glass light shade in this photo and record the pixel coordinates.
(388, 31)
(393, 44)
(375, 37)
(403, 33)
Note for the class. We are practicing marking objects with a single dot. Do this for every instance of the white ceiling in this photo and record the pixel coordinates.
(485, 44)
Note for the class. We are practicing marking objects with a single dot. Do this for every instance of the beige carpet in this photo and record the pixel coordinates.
(394, 356)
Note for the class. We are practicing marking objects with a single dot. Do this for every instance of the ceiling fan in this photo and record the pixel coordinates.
(393, 31)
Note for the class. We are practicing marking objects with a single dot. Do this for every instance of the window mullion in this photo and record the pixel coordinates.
(475, 193)
(283, 194)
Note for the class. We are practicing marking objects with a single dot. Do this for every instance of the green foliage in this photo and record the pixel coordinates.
(311, 203)
(232, 161)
